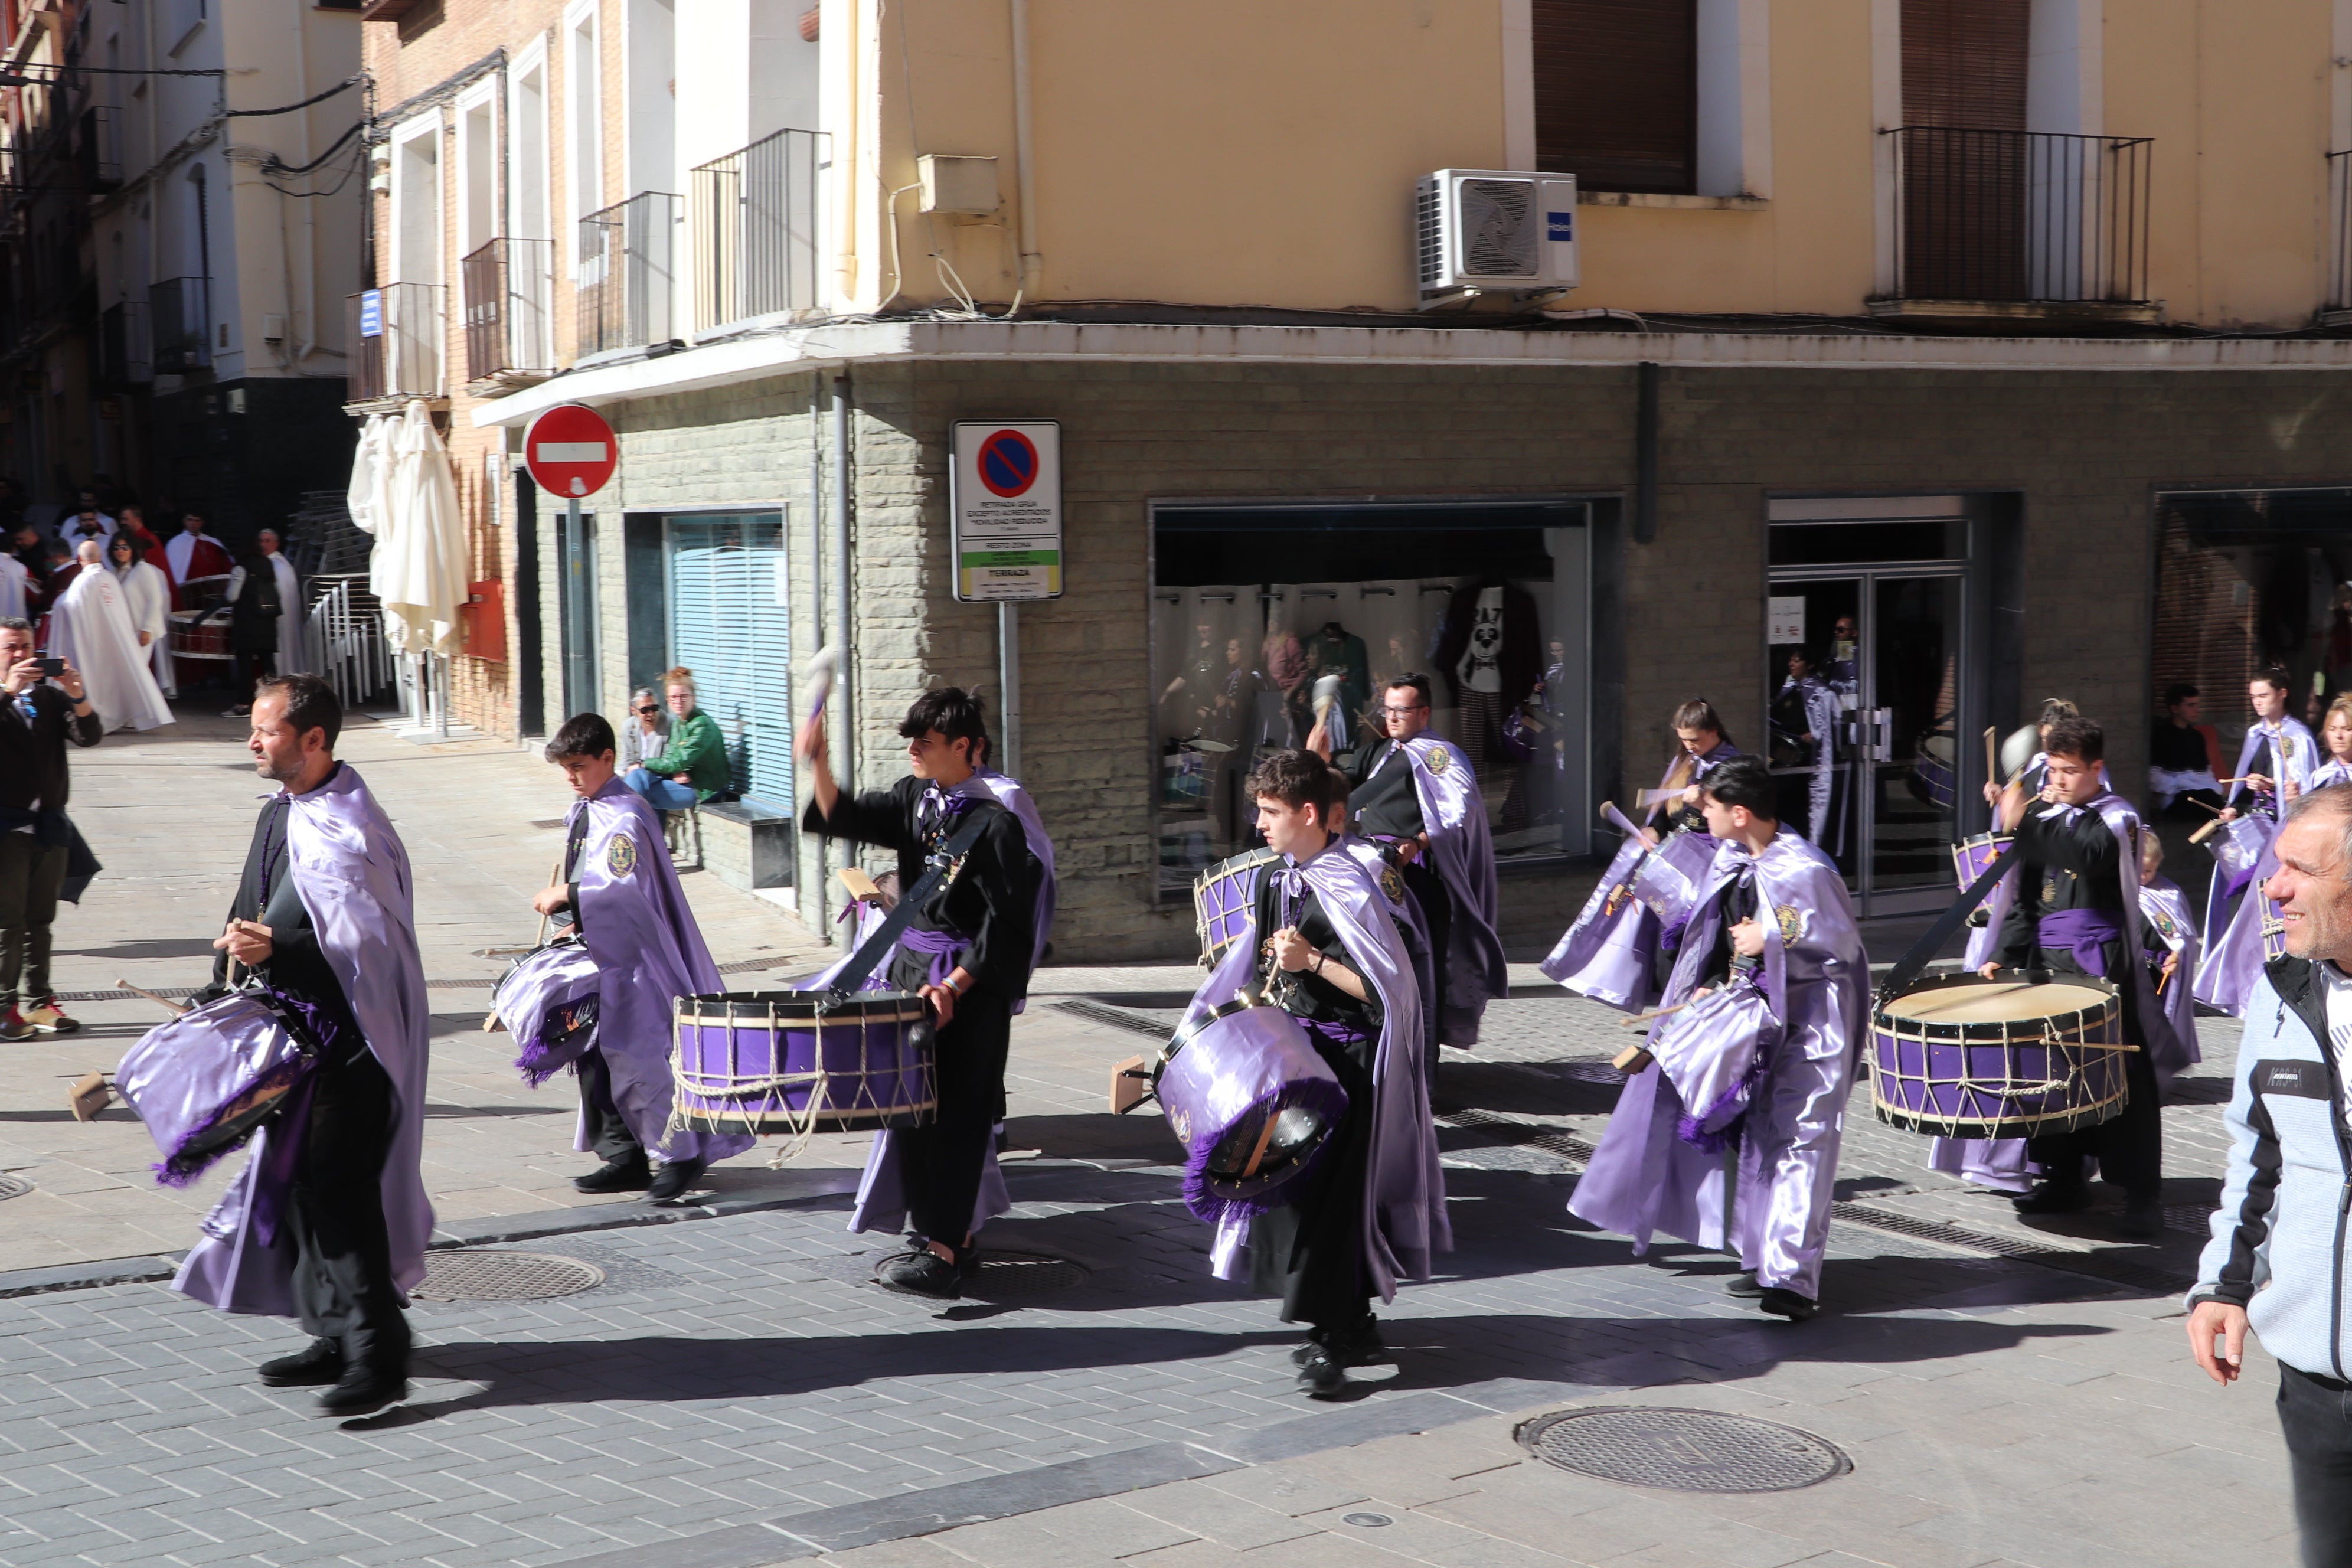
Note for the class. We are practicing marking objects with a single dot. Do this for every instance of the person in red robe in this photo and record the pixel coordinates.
(192, 552)
(133, 520)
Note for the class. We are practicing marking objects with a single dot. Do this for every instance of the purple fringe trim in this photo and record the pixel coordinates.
(1214, 1208)
(186, 1163)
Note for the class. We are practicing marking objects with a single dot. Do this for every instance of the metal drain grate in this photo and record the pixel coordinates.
(544, 822)
(464, 1276)
(2194, 1218)
(1683, 1450)
(1118, 1018)
(1016, 1276)
(14, 1187)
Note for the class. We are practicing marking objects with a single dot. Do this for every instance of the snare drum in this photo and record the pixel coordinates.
(1972, 856)
(1221, 902)
(1964, 1056)
(1253, 1102)
(802, 1061)
(548, 999)
(203, 1082)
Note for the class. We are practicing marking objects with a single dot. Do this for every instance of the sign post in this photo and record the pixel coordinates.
(1005, 495)
(572, 452)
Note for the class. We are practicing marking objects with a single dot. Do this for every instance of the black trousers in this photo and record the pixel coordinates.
(2316, 1416)
(342, 1255)
(2129, 1146)
(1311, 1251)
(941, 1161)
(31, 875)
(600, 1114)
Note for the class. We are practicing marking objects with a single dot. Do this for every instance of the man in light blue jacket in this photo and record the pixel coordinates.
(2277, 1259)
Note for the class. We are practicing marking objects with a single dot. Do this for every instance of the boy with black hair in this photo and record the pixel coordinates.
(2072, 906)
(967, 953)
(1322, 945)
(617, 889)
(1772, 989)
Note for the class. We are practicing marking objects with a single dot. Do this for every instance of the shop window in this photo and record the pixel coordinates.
(730, 623)
(1252, 605)
(2249, 579)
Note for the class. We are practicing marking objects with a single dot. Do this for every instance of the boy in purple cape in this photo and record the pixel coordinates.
(1372, 1209)
(1772, 926)
(618, 887)
(327, 1221)
(1416, 795)
(2075, 909)
(2275, 763)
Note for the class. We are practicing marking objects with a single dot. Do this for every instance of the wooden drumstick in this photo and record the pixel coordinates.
(1992, 751)
(554, 879)
(174, 1008)
(1629, 1023)
(2206, 832)
(2205, 805)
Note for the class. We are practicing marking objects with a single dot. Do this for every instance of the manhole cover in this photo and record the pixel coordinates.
(1683, 1450)
(464, 1276)
(14, 1187)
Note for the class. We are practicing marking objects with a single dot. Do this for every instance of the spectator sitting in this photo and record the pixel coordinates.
(646, 729)
(692, 768)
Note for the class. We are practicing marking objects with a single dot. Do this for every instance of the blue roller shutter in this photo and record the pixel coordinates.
(731, 625)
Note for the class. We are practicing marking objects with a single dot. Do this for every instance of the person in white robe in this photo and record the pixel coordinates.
(91, 626)
(147, 594)
(16, 586)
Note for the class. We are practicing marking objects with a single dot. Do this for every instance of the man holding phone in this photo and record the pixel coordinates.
(45, 708)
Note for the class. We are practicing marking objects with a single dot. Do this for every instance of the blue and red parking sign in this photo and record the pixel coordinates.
(1006, 494)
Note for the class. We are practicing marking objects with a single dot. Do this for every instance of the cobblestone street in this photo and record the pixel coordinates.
(731, 1390)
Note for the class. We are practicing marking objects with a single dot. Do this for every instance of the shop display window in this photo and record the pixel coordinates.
(1252, 605)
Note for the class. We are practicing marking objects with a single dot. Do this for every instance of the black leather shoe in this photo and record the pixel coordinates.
(317, 1367)
(1744, 1286)
(2143, 1220)
(364, 1392)
(628, 1175)
(2052, 1197)
(673, 1180)
(923, 1273)
(1306, 1347)
(1786, 1304)
(1320, 1374)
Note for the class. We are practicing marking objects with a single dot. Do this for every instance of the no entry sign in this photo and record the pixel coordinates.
(1006, 496)
(570, 451)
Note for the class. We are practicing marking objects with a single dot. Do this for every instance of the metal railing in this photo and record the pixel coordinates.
(2339, 217)
(99, 147)
(343, 635)
(509, 294)
(397, 333)
(179, 311)
(124, 359)
(2027, 217)
(626, 273)
(754, 217)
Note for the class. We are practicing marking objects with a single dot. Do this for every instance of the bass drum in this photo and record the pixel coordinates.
(1221, 902)
(797, 1062)
(1253, 1102)
(2011, 1056)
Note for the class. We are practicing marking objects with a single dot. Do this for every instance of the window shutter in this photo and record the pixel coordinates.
(729, 625)
(1964, 181)
(1617, 93)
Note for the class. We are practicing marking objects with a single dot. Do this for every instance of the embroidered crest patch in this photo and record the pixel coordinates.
(621, 855)
(1438, 761)
(2165, 925)
(1392, 884)
(2286, 748)
(1793, 921)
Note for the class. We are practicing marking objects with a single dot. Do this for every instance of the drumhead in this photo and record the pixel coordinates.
(745, 1009)
(1998, 1002)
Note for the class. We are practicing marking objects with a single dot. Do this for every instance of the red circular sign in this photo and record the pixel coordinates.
(1008, 463)
(570, 451)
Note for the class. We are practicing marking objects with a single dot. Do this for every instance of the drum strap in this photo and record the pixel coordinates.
(1906, 968)
(875, 948)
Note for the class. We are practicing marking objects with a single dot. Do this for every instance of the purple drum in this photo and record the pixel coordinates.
(203, 1082)
(2012, 1056)
(1252, 1102)
(2239, 846)
(803, 1061)
(1971, 856)
(1664, 889)
(549, 1000)
(1221, 902)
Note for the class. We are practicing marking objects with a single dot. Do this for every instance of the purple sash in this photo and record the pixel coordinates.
(2083, 932)
(940, 946)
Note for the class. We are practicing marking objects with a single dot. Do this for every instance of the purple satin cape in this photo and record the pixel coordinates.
(636, 924)
(351, 873)
(2163, 905)
(1404, 1221)
(1645, 1178)
(1612, 957)
(2242, 862)
(1462, 852)
(1007, 792)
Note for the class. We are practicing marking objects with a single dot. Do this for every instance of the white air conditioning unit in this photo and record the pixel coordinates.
(1491, 228)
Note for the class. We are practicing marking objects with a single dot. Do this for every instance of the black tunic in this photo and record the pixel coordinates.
(1383, 796)
(1309, 1250)
(2179, 747)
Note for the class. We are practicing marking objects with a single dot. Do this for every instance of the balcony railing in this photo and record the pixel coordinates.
(396, 333)
(754, 214)
(2339, 216)
(179, 311)
(99, 147)
(2023, 216)
(626, 276)
(124, 360)
(510, 299)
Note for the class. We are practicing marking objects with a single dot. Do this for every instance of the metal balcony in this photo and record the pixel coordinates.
(180, 312)
(2022, 223)
(397, 333)
(97, 145)
(755, 215)
(510, 293)
(625, 274)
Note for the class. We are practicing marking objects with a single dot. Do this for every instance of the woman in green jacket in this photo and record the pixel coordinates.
(692, 768)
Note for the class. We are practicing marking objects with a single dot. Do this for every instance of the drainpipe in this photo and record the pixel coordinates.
(1024, 155)
(1645, 454)
(842, 706)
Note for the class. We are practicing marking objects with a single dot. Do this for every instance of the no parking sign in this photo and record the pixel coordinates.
(1006, 493)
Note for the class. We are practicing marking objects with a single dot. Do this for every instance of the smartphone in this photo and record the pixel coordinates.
(51, 666)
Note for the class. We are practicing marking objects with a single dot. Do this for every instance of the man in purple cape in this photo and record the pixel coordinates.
(327, 1221)
(2074, 908)
(1416, 795)
(1772, 919)
(1612, 952)
(1372, 1209)
(618, 887)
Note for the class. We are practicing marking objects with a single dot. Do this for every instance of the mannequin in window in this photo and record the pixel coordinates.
(1186, 702)
(1337, 651)
(1490, 655)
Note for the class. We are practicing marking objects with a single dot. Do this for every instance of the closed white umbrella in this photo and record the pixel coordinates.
(417, 569)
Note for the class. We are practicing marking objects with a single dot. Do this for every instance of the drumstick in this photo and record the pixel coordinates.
(1629, 1023)
(2205, 805)
(554, 879)
(176, 1008)
(1993, 752)
(2206, 832)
